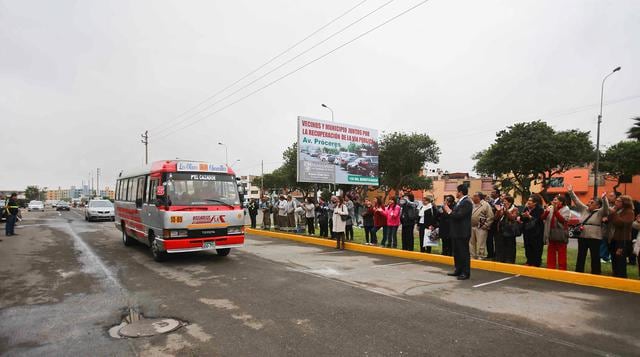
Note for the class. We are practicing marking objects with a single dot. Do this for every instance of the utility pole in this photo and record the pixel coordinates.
(145, 141)
(98, 182)
(597, 164)
(261, 178)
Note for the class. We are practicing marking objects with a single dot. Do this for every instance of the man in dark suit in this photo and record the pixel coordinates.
(460, 233)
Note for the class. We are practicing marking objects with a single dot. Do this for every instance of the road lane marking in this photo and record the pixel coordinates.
(496, 281)
(389, 265)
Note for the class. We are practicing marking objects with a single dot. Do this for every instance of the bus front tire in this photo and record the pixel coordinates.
(158, 255)
(223, 252)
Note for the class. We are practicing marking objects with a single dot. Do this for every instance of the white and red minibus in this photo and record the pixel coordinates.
(180, 206)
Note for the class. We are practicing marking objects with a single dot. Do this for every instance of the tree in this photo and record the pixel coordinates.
(634, 131)
(533, 152)
(286, 176)
(32, 193)
(621, 160)
(402, 156)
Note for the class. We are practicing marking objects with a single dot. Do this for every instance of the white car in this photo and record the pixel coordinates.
(99, 210)
(35, 206)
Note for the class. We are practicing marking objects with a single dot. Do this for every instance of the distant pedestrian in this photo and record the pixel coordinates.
(393, 222)
(367, 222)
(481, 220)
(291, 213)
(349, 224)
(252, 207)
(11, 210)
(427, 220)
(323, 218)
(621, 218)
(408, 218)
(444, 223)
(591, 235)
(494, 201)
(340, 215)
(379, 221)
(460, 232)
(310, 214)
(533, 230)
(282, 214)
(265, 207)
(556, 232)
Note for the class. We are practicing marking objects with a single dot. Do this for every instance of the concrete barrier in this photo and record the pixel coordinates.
(599, 281)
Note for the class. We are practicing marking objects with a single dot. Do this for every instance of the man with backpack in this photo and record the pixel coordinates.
(408, 218)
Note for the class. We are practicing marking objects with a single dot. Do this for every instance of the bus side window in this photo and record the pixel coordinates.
(140, 191)
(152, 191)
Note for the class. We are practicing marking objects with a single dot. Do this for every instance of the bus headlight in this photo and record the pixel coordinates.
(235, 230)
(176, 233)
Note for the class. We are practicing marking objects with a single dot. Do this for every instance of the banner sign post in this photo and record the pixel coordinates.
(337, 153)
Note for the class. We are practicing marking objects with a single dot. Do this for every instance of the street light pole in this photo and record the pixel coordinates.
(226, 152)
(325, 106)
(597, 165)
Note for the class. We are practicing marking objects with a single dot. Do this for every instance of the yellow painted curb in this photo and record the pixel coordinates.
(599, 281)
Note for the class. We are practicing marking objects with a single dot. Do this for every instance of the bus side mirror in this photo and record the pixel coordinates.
(241, 190)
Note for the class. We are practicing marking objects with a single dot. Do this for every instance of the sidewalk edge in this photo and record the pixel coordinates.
(599, 281)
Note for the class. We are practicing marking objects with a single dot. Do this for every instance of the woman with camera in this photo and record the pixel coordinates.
(508, 229)
(590, 230)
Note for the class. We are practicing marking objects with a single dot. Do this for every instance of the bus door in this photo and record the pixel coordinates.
(150, 214)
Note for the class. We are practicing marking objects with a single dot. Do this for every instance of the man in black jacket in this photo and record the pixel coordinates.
(460, 233)
(253, 212)
(12, 210)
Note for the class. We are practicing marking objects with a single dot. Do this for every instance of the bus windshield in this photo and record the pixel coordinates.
(201, 189)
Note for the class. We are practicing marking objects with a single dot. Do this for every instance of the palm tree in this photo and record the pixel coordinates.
(634, 131)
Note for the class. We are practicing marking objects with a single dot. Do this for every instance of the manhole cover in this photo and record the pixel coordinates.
(149, 327)
(134, 324)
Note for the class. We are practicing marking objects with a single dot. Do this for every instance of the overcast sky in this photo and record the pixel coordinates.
(81, 80)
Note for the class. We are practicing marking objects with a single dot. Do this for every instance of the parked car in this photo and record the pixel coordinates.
(3, 216)
(99, 210)
(63, 206)
(331, 159)
(345, 161)
(354, 166)
(35, 206)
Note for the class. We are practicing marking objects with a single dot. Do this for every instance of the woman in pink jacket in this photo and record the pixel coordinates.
(393, 222)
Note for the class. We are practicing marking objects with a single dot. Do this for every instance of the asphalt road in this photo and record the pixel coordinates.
(64, 282)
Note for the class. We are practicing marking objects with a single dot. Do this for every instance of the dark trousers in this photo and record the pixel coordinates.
(311, 229)
(391, 237)
(461, 255)
(9, 228)
(253, 220)
(369, 234)
(509, 249)
(491, 252)
(421, 229)
(604, 250)
(333, 234)
(498, 253)
(446, 246)
(324, 227)
(593, 246)
(619, 262)
(533, 246)
(348, 230)
(339, 240)
(407, 236)
(374, 235)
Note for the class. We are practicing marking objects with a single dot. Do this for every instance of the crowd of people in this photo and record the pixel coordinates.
(486, 226)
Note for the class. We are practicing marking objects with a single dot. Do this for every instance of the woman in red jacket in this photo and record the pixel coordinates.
(393, 222)
(379, 221)
(621, 218)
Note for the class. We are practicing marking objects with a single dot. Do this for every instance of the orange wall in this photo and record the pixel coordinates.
(579, 178)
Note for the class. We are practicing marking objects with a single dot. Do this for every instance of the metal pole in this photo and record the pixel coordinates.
(261, 178)
(98, 182)
(597, 163)
(145, 141)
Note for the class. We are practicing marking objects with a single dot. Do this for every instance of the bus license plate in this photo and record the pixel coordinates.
(208, 245)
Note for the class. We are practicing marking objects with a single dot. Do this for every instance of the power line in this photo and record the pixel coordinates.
(279, 66)
(302, 67)
(263, 65)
